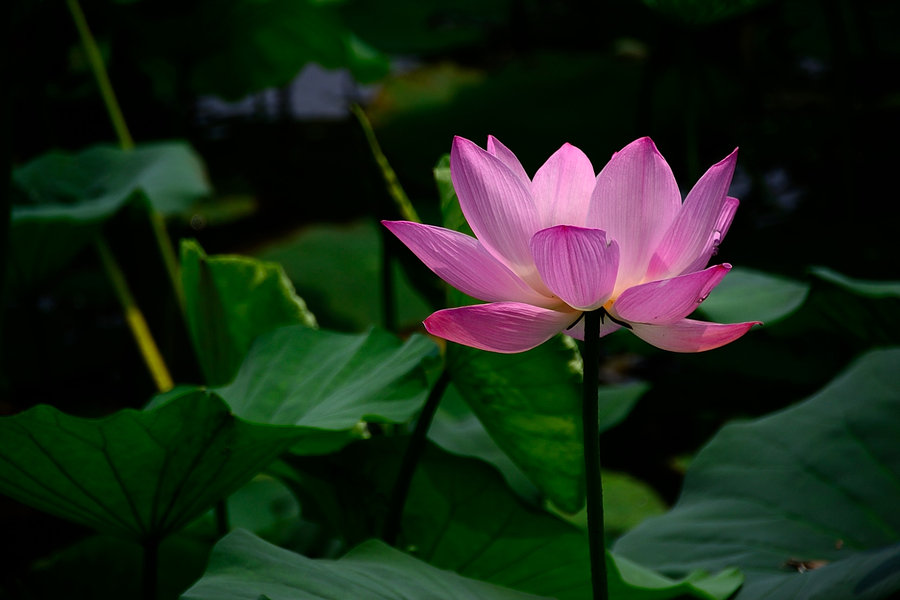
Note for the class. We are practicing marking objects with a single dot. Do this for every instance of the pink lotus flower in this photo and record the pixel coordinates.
(550, 248)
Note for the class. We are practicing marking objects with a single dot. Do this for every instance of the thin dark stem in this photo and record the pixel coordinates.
(411, 460)
(221, 511)
(150, 569)
(594, 487)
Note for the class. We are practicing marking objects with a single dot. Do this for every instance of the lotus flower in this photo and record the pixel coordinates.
(550, 248)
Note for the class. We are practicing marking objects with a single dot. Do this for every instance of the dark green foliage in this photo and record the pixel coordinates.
(136, 474)
(802, 501)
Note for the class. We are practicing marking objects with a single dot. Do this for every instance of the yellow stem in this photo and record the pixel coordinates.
(96, 61)
(135, 319)
(133, 314)
(167, 251)
(390, 177)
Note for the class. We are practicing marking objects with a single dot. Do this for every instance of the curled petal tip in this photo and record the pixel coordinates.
(731, 159)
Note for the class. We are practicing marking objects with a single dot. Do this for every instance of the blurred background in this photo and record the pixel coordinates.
(262, 90)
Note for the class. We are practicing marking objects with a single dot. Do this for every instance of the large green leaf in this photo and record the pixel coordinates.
(327, 383)
(62, 199)
(230, 300)
(804, 501)
(866, 311)
(232, 48)
(748, 295)
(337, 270)
(460, 515)
(104, 567)
(530, 403)
(245, 567)
(457, 429)
(135, 474)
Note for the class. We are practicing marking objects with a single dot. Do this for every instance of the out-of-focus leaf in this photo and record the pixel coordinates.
(244, 567)
(263, 505)
(230, 300)
(866, 311)
(326, 383)
(424, 27)
(104, 567)
(61, 199)
(232, 48)
(703, 12)
(135, 474)
(336, 269)
(748, 295)
(460, 515)
(803, 501)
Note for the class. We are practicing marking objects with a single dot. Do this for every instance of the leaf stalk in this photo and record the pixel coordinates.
(411, 459)
(135, 318)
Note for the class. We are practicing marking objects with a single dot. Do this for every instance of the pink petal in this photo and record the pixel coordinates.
(577, 264)
(562, 187)
(696, 229)
(509, 159)
(463, 262)
(505, 327)
(716, 236)
(497, 205)
(691, 336)
(634, 201)
(668, 300)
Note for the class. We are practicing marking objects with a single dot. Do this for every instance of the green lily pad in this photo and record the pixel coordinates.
(865, 311)
(104, 567)
(803, 501)
(748, 295)
(460, 515)
(243, 566)
(530, 404)
(327, 383)
(337, 270)
(230, 300)
(61, 200)
(457, 429)
(134, 474)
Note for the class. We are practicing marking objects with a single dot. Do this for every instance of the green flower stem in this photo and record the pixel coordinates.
(167, 251)
(411, 460)
(96, 61)
(395, 190)
(594, 486)
(150, 570)
(135, 319)
(133, 315)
